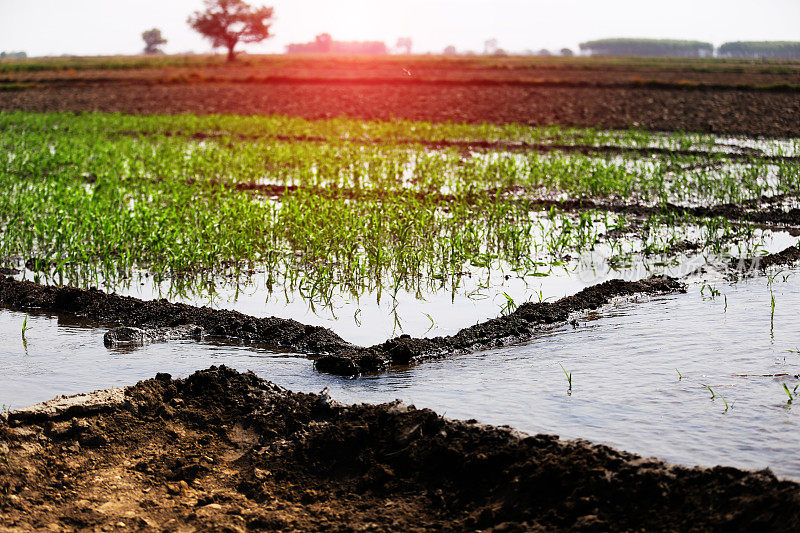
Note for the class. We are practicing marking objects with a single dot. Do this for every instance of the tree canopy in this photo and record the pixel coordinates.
(229, 22)
(771, 49)
(152, 40)
(648, 47)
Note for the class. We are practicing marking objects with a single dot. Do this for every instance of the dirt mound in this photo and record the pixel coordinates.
(127, 311)
(496, 332)
(785, 257)
(334, 355)
(225, 451)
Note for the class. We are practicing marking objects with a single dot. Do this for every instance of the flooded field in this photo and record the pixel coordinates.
(643, 374)
(629, 288)
(603, 249)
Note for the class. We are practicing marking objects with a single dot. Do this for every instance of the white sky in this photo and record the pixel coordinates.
(99, 27)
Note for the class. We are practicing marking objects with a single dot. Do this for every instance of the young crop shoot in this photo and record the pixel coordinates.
(568, 375)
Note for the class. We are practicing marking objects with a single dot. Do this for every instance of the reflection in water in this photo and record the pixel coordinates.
(639, 374)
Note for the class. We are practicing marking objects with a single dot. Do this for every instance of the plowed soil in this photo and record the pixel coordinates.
(668, 95)
(740, 112)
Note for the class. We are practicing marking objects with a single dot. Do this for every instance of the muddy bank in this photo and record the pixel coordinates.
(144, 321)
(786, 257)
(223, 451)
(513, 327)
(127, 311)
(758, 211)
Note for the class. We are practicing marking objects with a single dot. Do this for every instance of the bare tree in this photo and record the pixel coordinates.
(490, 46)
(404, 43)
(152, 40)
(450, 50)
(229, 22)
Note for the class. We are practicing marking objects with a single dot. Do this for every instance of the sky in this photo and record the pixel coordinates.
(107, 27)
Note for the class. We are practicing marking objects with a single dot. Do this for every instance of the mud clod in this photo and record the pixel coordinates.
(242, 453)
(129, 336)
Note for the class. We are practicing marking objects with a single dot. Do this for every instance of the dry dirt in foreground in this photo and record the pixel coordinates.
(224, 451)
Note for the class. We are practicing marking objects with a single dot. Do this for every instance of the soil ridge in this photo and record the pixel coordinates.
(133, 312)
(513, 327)
(226, 451)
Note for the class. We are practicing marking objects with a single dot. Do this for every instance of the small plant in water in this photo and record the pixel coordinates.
(714, 395)
(791, 393)
(569, 379)
(25, 327)
(680, 376)
(712, 292)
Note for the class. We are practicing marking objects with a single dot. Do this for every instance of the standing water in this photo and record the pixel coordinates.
(695, 378)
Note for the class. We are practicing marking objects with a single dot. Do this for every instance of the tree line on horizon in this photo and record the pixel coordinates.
(686, 48)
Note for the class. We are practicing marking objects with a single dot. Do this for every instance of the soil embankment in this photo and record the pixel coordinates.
(334, 355)
(223, 451)
(502, 330)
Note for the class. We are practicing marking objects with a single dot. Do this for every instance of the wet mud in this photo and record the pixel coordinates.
(134, 337)
(786, 257)
(224, 451)
(152, 321)
(118, 310)
(759, 211)
(510, 328)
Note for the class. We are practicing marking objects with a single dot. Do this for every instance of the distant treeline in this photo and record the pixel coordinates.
(675, 48)
(648, 47)
(324, 44)
(13, 54)
(772, 49)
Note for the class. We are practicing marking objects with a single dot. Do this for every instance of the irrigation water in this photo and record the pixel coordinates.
(642, 371)
(378, 229)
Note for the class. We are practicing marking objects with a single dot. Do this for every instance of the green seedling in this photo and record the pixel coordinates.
(712, 292)
(714, 395)
(25, 327)
(510, 305)
(569, 379)
(791, 393)
(433, 323)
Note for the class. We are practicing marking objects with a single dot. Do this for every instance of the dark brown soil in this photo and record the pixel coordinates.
(761, 211)
(333, 354)
(506, 329)
(785, 257)
(127, 311)
(729, 111)
(223, 451)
